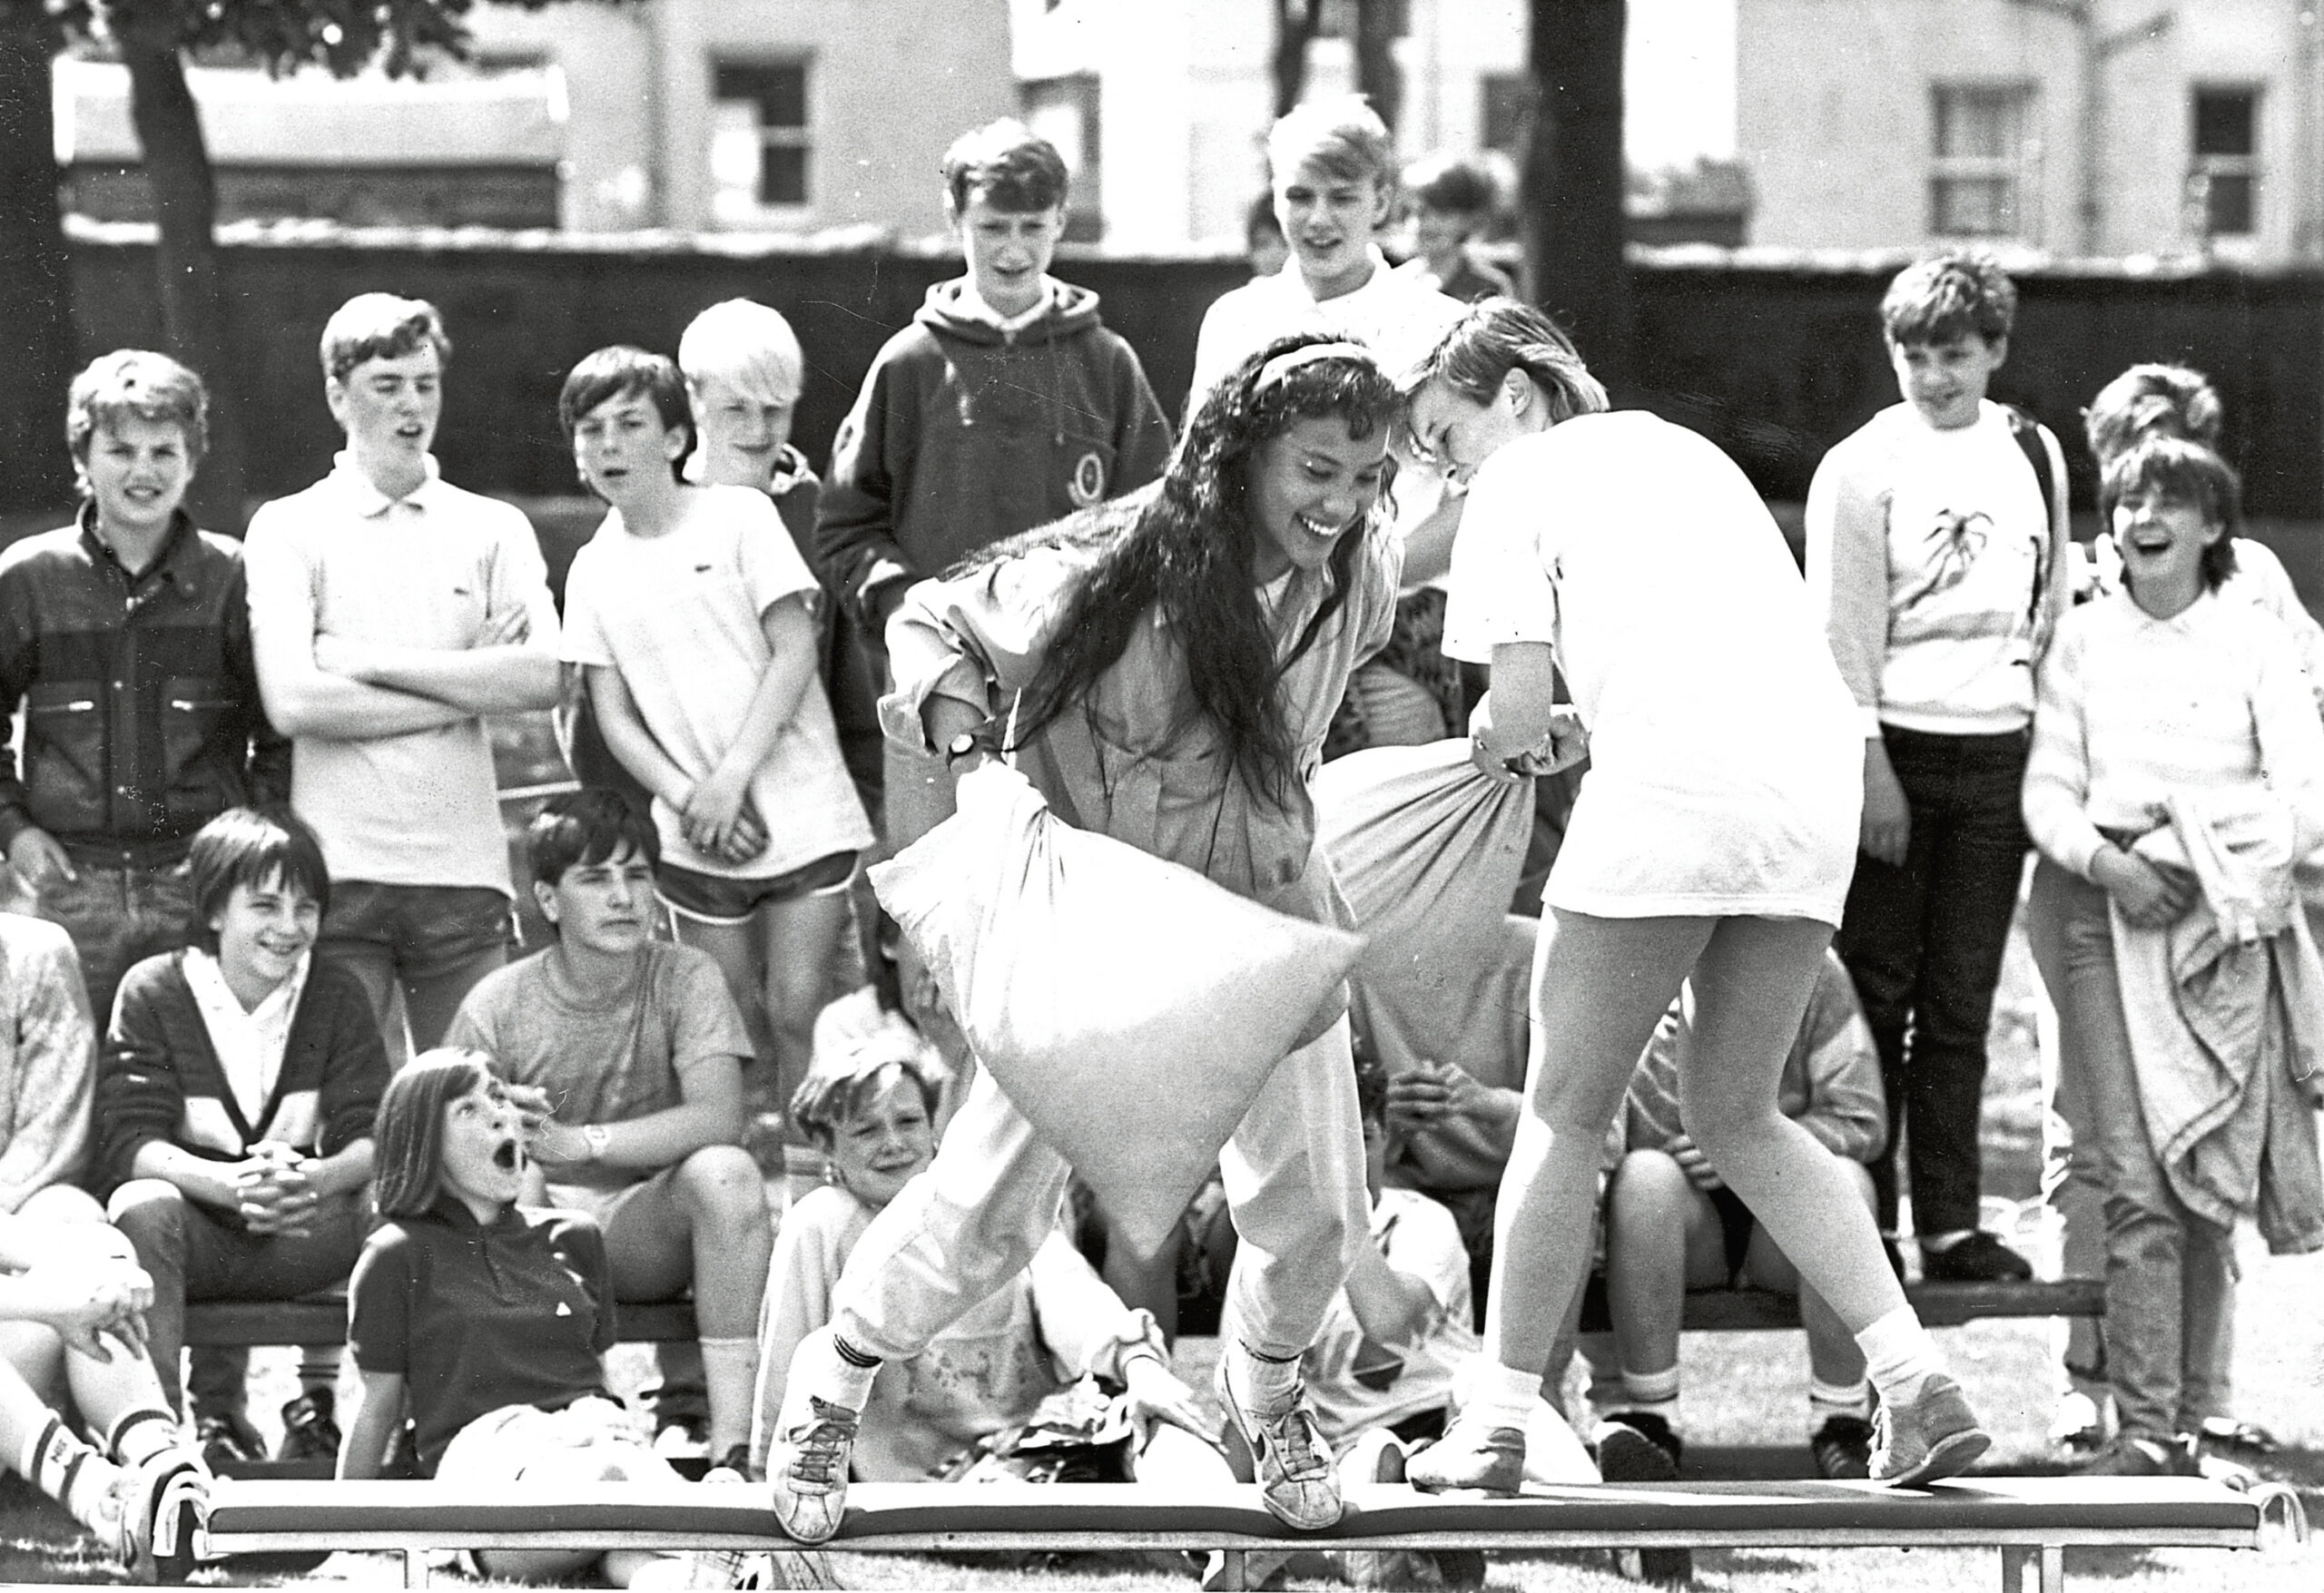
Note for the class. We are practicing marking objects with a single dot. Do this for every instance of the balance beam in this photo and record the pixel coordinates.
(2031, 1520)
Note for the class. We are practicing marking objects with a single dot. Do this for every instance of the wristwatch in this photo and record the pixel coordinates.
(597, 1136)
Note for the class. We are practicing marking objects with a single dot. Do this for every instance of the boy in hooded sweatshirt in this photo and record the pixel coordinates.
(1005, 405)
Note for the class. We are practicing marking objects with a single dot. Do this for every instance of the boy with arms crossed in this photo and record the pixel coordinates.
(389, 612)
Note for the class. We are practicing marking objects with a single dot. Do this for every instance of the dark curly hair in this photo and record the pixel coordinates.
(1186, 546)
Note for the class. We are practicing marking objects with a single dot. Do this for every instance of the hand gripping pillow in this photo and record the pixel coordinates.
(1129, 1007)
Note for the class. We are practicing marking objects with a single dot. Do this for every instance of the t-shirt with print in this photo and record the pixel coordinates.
(603, 1056)
(1358, 1384)
(679, 616)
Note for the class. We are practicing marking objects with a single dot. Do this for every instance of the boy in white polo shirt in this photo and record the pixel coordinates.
(389, 612)
(1333, 172)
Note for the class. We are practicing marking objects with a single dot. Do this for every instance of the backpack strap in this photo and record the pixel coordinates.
(2026, 432)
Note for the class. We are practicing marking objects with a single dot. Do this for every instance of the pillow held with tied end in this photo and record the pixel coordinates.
(1127, 1006)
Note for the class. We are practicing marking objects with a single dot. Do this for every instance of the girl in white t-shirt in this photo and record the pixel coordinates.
(689, 613)
(1711, 844)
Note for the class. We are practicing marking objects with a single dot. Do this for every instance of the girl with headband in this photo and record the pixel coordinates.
(1711, 846)
(1167, 664)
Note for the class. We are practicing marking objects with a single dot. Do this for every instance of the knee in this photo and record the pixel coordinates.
(1858, 1179)
(721, 1184)
(1648, 1190)
(151, 1211)
(62, 1203)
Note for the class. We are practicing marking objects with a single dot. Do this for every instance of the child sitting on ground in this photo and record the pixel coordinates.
(872, 1111)
(235, 1107)
(1673, 1225)
(489, 1322)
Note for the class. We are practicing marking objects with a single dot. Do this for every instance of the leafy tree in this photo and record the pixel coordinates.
(38, 318)
(154, 38)
(1570, 186)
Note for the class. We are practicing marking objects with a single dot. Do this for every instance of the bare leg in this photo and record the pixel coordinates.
(735, 949)
(1750, 988)
(1662, 1239)
(801, 944)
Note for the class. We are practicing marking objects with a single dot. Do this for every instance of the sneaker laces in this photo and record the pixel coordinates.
(821, 1446)
(1297, 1442)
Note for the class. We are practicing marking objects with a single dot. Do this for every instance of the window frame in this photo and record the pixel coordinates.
(770, 136)
(2205, 169)
(2010, 169)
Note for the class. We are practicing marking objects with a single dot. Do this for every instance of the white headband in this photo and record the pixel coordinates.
(1283, 365)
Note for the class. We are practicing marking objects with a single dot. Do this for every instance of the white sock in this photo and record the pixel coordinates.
(1264, 1383)
(820, 1368)
(137, 1436)
(1825, 1401)
(66, 1469)
(1899, 1355)
(1500, 1396)
(1652, 1394)
(731, 1369)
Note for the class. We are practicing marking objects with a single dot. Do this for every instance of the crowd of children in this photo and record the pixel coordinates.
(269, 1021)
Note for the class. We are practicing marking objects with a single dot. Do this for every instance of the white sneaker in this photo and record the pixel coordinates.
(1298, 1480)
(815, 1439)
(155, 1514)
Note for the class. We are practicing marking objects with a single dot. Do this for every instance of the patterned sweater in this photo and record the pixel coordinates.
(48, 1055)
(161, 1078)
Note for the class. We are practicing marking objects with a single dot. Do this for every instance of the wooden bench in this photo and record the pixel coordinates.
(2031, 1520)
(1938, 1305)
(321, 1318)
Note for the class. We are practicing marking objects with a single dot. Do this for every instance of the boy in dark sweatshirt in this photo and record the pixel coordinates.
(1005, 405)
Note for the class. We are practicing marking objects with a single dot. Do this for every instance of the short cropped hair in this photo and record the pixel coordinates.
(837, 1087)
(2181, 471)
(586, 827)
(380, 326)
(1499, 335)
(742, 342)
(618, 371)
(1948, 296)
(1008, 165)
(1448, 182)
(141, 383)
(1342, 134)
(407, 1132)
(2149, 398)
(251, 845)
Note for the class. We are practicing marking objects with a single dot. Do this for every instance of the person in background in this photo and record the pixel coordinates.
(1263, 241)
(625, 1053)
(234, 1115)
(126, 638)
(1938, 553)
(1453, 201)
(1006, 404)
(390, 612)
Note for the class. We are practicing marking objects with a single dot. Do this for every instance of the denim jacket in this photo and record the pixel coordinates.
(141, 714)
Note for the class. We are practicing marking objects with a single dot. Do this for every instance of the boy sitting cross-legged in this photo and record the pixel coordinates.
(625, 1053)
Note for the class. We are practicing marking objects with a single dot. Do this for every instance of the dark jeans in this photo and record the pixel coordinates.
(118, 916)
(193, 1255)
(1923, 945)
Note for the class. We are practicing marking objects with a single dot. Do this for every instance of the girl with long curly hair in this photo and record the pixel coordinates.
(1163, 669)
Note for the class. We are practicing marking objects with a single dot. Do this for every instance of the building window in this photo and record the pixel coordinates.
(1337, 19)
(759, 137)
(1976, 176)
(1504, 102)
(2225, 172)
(1064, 110)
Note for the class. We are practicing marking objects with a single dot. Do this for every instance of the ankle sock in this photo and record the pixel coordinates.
(831, 1367)
(68, 1470)
(1500, 1396)
(730, 1367)
(1265, 1383)
(1825, 1401)
(1899, 1356)
(139, 1435)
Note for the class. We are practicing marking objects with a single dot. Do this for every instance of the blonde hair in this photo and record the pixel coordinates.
(742, 342)
(1340, 134)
